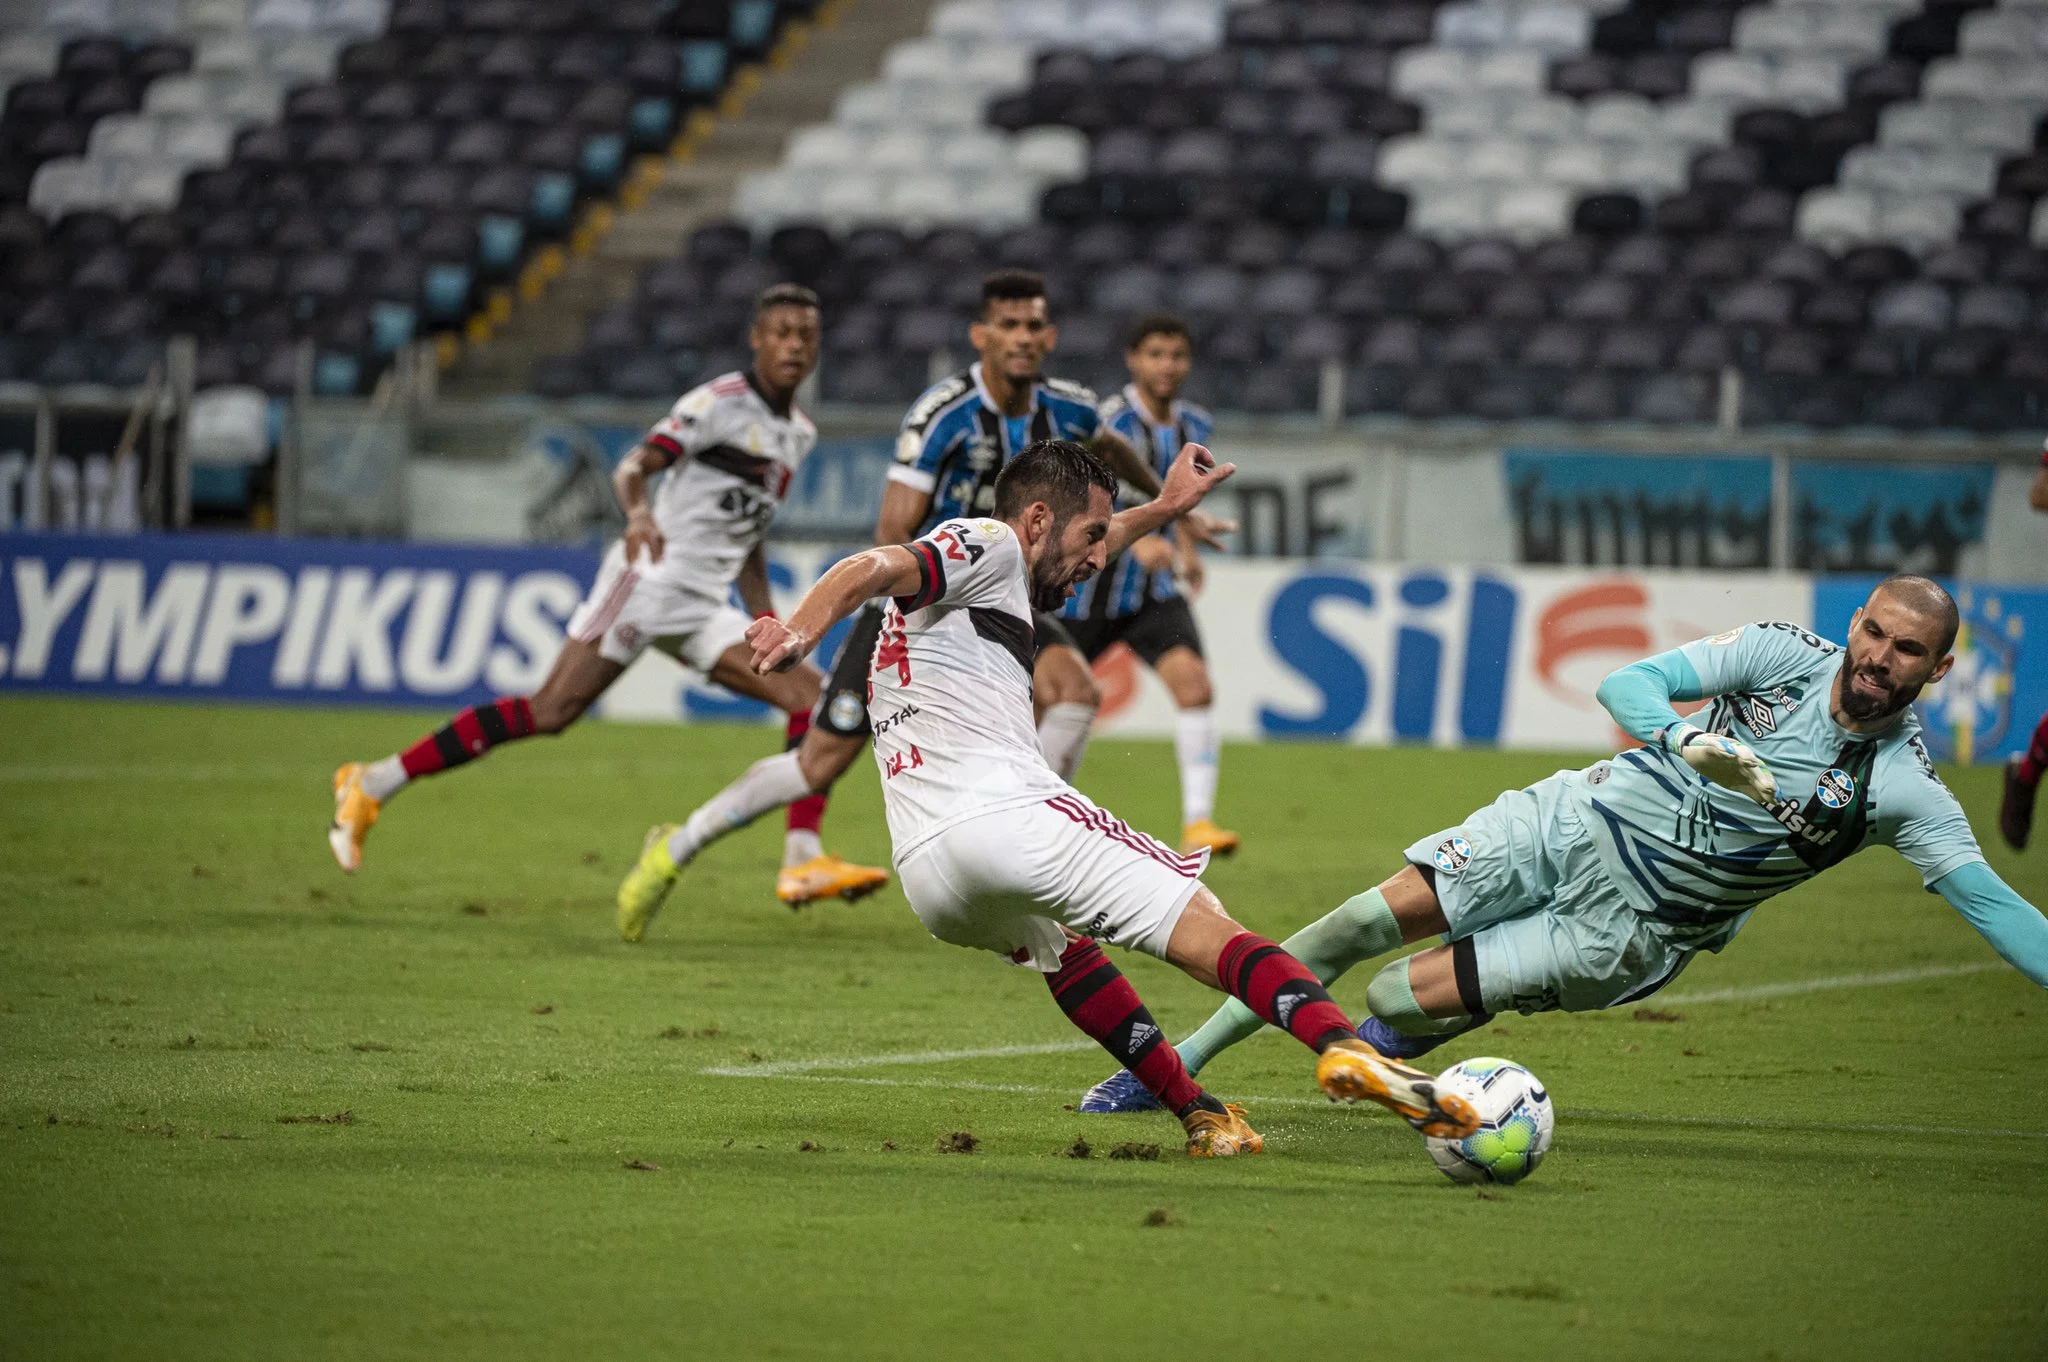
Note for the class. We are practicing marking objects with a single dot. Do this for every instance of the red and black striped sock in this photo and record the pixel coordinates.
(806, 814)
(1282, 991)
(1097, 998)
(469, 735)
(2035, 762)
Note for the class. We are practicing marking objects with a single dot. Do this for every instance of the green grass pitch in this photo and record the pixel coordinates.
(1856, 1172)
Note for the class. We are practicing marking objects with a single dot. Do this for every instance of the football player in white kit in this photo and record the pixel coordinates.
(996, 851)
(731, 447)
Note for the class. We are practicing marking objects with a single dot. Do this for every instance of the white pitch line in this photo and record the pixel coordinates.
(1794, 987)
(1568, 1113)
(780, 1068)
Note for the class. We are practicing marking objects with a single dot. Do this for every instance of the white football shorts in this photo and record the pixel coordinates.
(631, 607)
(1008, 880)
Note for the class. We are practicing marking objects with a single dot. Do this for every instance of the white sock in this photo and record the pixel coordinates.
(383, 779)
(1063, 736)
(768, 784)
(800, 845)
(1200, 752)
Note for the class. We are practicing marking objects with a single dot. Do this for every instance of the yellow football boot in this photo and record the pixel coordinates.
(355, 813)
(825, 875)
(1352, 1071)
(647, 883)
(1213, 1136)
(1203, 833)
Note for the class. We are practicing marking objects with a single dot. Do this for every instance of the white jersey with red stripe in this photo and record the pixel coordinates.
(734, 457)
(949, 690)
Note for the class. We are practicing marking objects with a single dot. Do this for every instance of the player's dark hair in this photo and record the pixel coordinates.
(1056, 472)
(784, 295)
(1010, 285)
(1925, 596)
(1157, 324)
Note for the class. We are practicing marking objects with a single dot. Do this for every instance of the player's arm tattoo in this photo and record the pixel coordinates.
(753, 583)
(887, 570)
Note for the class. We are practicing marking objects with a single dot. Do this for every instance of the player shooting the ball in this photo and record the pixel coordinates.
(1594, 888)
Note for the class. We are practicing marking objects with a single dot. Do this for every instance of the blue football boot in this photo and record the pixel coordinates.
(1394, 1045)
(1121, 1091)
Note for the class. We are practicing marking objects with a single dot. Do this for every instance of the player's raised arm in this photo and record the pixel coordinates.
(887, 570)
(1193, 476)
(2014, 927)
(1639, 697)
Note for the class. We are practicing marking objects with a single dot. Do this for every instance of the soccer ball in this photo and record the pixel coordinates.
(1515, 1123)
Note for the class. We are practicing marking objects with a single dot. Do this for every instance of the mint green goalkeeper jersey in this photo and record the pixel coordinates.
(1697, 856)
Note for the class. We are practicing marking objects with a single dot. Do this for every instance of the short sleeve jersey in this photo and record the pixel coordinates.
(1697, 856)
(949, 691)
(1122, 587)
(955, 439)
(736, 455)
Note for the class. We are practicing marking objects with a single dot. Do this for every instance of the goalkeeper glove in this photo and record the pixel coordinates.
(1728, 763)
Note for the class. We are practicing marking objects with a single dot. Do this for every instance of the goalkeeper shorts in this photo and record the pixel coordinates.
(1536, 924)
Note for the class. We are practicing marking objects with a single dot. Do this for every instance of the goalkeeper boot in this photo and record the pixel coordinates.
(1221, 1135)
(1203, 834)
(355, 813)
(1121, 1091)
(647, 884)
(823, 876)
(2016, 805)
(1352, 1071)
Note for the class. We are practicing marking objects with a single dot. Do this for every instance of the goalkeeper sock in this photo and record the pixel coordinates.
(1097, 998)
(1063, 736)
(768, 784)
(1392, 1000)
(1358, 929)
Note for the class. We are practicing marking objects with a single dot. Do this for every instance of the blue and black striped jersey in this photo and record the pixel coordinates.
(1122, 587)
(955, 439)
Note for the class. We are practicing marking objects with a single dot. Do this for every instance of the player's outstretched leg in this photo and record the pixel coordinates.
(804, 819)
(578, 677)
(1283, 992)
(1360, 928)
(1099, 1000)
(2022, 780)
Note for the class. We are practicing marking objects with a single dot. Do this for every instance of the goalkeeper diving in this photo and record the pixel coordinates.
(1595, 888)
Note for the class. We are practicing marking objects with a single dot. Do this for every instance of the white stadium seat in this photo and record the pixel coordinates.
(2003, 33)
(1474, 25)
(1552, 118)
(1836, 218)
(1739, 77)
(1810, 85)
(826, 146)
(905, 151)
(1420, 72)
(965, 21)
(1651, 169)
(919, 201)
(1108, 27)
(1496, 161)
(1621, 118)
(1533, 212)
(1187, 28)
(1696, 123)
(1051, 153)
(1554, 30)
(1452, 212)
(851, 199)
(1512, 69)
(28, 56)
(1581, 167)
(1418, 160)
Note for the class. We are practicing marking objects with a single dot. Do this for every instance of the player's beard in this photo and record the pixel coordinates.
(1864, 708)
(1050, 577)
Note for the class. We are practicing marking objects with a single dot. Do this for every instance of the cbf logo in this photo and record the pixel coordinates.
(1970, 710)
(1835, 788)
(1452, 855)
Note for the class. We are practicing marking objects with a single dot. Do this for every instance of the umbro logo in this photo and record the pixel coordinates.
(1759, 715)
